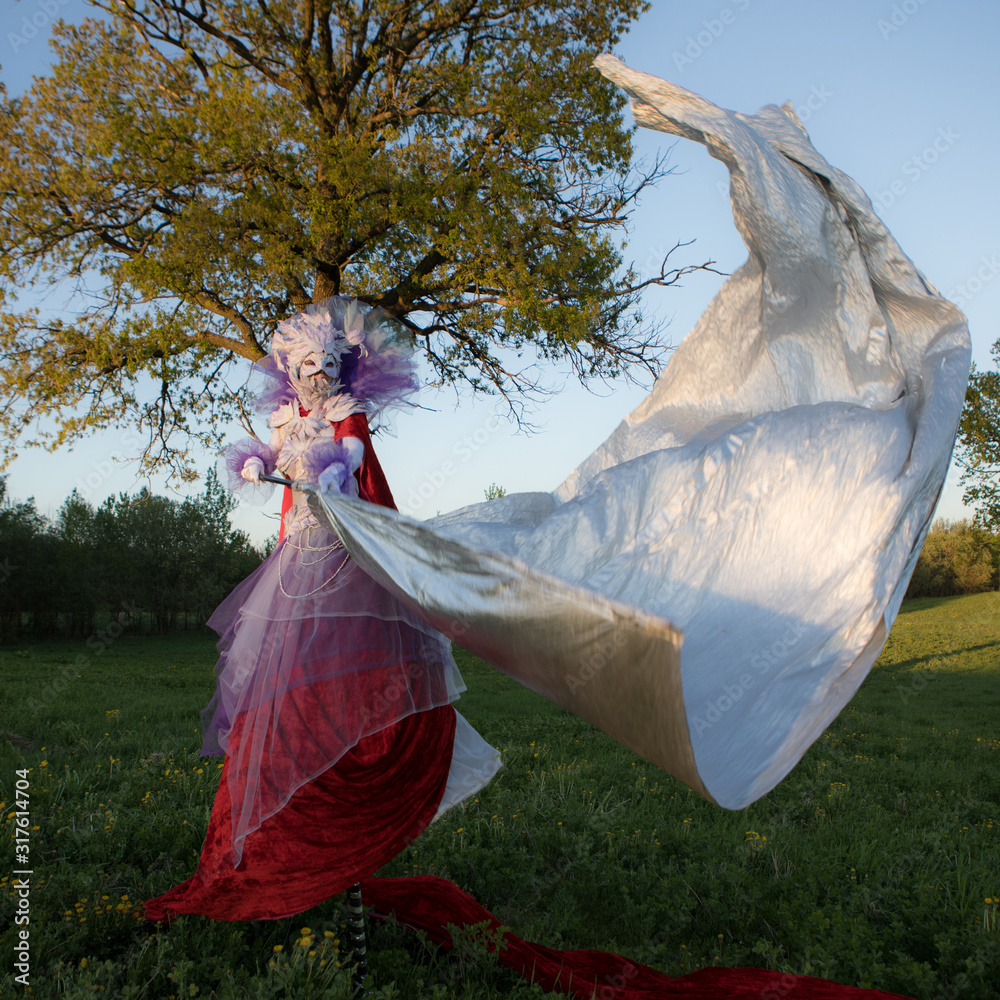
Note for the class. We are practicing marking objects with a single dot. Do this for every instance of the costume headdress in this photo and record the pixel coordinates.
(377, 364)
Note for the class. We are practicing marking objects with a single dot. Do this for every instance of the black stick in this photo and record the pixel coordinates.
(359, 942)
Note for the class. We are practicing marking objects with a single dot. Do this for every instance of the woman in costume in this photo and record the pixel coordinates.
(333, 705)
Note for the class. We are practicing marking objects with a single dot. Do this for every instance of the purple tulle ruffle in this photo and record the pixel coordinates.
(330, 465)
(276, 390)
(232, 462)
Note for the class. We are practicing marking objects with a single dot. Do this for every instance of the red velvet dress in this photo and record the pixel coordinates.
(354, 815)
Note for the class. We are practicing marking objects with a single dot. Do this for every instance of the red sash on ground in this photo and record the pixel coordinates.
(429, 904)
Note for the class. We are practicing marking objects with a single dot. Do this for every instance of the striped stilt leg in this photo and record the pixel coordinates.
(359, 942)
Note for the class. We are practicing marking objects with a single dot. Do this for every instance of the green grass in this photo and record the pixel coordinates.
(868, 865)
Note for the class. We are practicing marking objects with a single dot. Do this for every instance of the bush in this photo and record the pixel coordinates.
(957, 558)
(134, 558)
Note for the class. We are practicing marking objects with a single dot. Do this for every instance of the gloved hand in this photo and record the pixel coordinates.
(336, 478)
(338, 475)
(252, 469)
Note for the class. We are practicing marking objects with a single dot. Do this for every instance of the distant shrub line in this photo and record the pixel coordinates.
(169, 563)
(141, 563)
(957, 558)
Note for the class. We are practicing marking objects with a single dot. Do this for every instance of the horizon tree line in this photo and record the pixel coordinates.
(146, 561)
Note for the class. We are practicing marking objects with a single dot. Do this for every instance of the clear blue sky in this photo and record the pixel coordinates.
(903, 96)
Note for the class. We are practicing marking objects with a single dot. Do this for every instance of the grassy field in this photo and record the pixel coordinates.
(876, 862)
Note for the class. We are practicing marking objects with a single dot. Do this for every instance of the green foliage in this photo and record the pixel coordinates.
(957, 558)
(494, 492)
(868, 865)
(134, 557)
(210, 169)
(979, 440)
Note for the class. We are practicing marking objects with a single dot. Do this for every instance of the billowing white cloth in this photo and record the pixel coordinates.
(713, 583)
(473, 764)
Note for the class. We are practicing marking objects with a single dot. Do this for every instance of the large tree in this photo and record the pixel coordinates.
(979, 441)
(198, 170)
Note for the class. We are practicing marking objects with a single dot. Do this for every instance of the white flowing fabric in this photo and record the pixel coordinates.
(712, 585)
